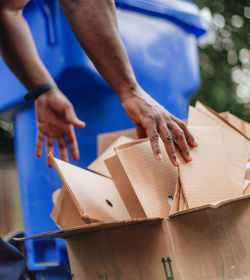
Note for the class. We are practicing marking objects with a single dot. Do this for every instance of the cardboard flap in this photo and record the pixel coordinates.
(206, 178)
(98, 165)
(229, 119)
(214, 205)
(153, 181)
(125, 188)
(56, 195)
(94, 196)
(236, 154)
(74, 231)
(65, 213)
(237, 123)
(104, 140)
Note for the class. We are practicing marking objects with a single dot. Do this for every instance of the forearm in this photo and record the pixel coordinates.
(95, 26)
(17, 46)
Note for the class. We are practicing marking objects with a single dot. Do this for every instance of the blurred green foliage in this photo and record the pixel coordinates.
(225, 64)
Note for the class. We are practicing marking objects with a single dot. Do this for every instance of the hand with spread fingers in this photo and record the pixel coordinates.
(56, 119)
(153, 120)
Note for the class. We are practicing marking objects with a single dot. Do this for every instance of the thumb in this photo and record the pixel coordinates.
(71, 118)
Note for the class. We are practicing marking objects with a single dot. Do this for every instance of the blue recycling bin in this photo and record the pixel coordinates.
(161, 40)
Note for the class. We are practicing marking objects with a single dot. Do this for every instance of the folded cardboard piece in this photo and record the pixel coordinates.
(98, 165)
(237, 123)
(154, 222)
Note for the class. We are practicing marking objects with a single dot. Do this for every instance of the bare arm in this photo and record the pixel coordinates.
(17, 45)
(55, 114)
(95, 25)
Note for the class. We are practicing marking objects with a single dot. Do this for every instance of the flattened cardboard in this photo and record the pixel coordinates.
(104, 140)
(94, 196)
(125, 188)
(237, 123)
(98, 165)
(210, 242)
(236, 154)
(153, 181)
(206, 178)
(90, 228)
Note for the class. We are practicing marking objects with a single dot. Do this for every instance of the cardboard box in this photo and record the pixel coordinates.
(212, 243)
(154, 222)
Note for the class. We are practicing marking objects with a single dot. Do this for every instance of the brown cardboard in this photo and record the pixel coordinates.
(175, 207)
(94, 196)
(236, 154)
(153, 181)
(183, 205)
(207, 242)
(65, 213)
(105, 140)
(206, 178)
(213, 243)
(89, 228)
(237, 123)
(125, 188)
(210, 244)
(247, 174)
(98, 165)
(246, 190)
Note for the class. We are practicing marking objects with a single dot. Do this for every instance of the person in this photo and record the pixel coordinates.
(94, 24)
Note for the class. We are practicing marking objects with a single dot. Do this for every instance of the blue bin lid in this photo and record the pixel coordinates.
(184, 13)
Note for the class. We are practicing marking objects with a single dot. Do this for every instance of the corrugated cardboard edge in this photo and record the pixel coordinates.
(65, 233)
(198, 103)
(210, 206)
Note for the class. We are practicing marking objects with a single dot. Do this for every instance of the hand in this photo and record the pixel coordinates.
(56, 118)
(152, 120)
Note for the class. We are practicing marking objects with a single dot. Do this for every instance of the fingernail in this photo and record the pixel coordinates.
(189, 158)
(159, 156)
(176, 163)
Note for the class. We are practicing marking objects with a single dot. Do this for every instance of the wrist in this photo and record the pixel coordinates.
(36, 92)
(129, 91)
